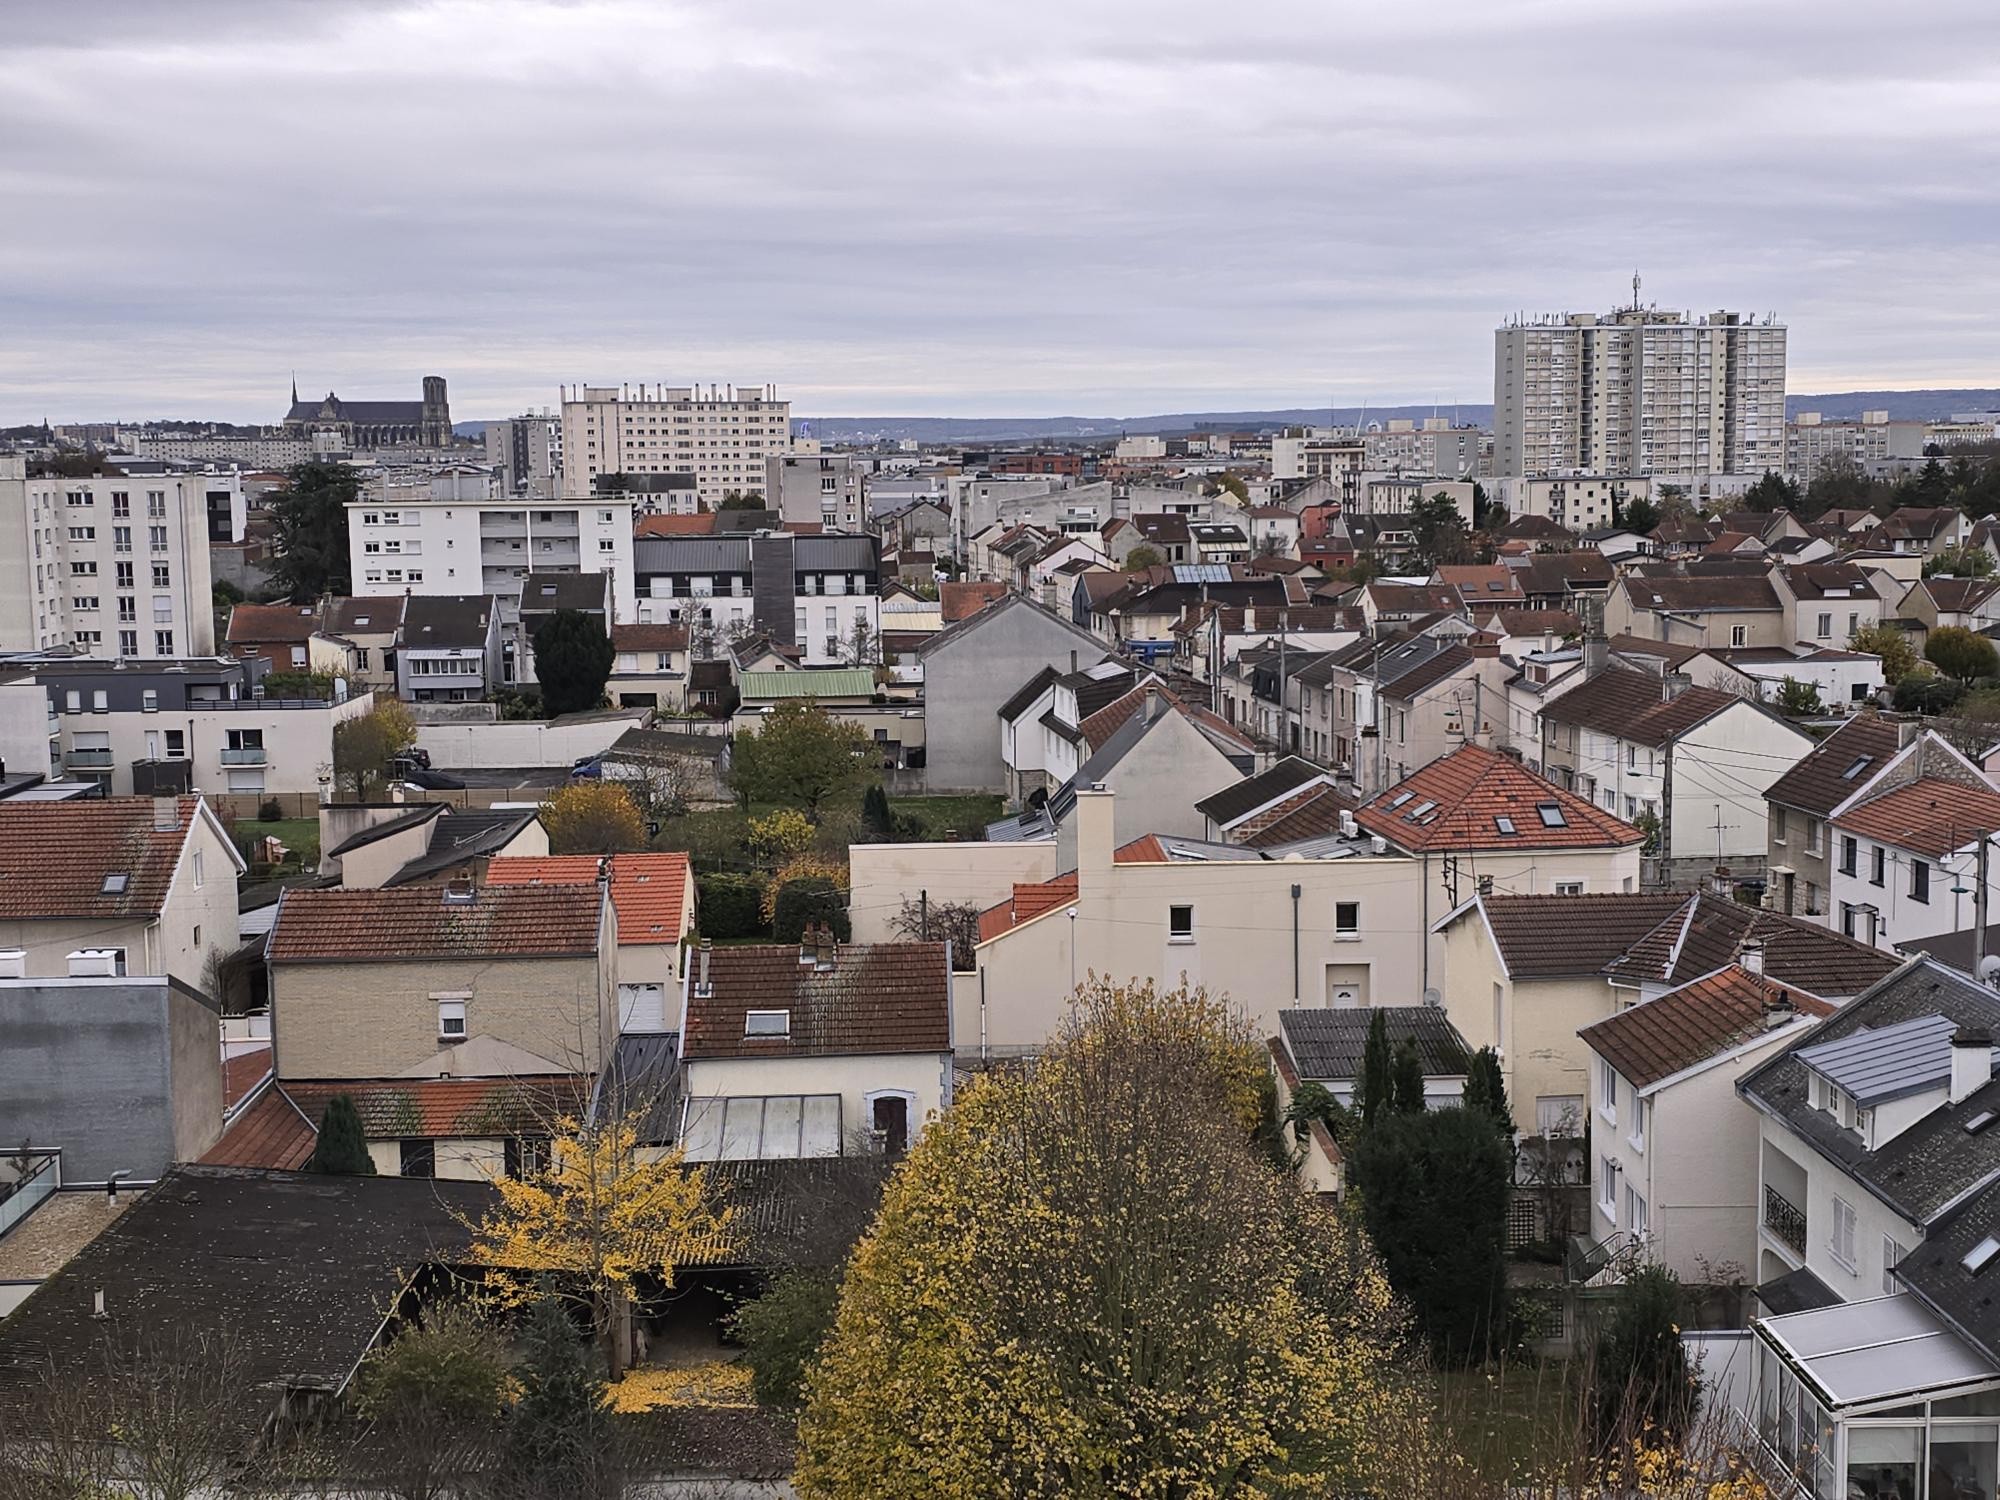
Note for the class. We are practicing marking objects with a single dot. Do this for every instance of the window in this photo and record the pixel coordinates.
(1347, 919)
(1551, 814)
(156, 538)
(197, 874)
(1825, 625)
(1569, 887)
(451, 1020)
(1920, 881)
(149, 701)
(1180, 924)
(1812, 835)
(176, 744)
(1638, 1135)
(1891, 1254)
(1739, 635)
(121, 505)
(767, 1023)
(419, 1158)
(1636, 1219)
(1607, 1187)
(1843, 1233)
(100, 701)
(1850, 854)
(163, 643)
(163, 577)
(1607, 1091)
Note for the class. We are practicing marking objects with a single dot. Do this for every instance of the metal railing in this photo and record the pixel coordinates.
(24, 1195)
(96, 759)
(1785, 1219)
(243, 755)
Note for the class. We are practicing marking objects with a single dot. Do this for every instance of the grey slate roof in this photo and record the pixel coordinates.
(447, 621)
(584, 591)
(1887, 1062)
(1934, 1161)
(463, 834)
(643, 1080)
(1328, 1044)
(1252, 792)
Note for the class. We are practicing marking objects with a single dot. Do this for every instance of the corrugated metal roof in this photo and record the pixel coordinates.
(690, 554)
(1887, 1062)
(813, 682)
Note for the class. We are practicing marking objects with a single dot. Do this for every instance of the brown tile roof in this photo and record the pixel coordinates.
(1661, 1037)
(1916, 522)
(960, 601)
(1559, 937)
(648, 891)
(260, 623)
(1730, 593)
(1481, 583)
(446, 1108)
(649, 637)
(366, 614)
(1030, 901)
(1958, 595)
(1415, 598)
(1457, 801)
(1707, 933)
(1931, 817)
(1107, 721)
(1817, 580)
(702, 524)
(1444, 663)
(271, 1133)
(1837, 767)
(873, 998)
(56, 858)
(1562, 572)
(242, 1073)
(422, 921)
(1631, 706)
(1317, 817)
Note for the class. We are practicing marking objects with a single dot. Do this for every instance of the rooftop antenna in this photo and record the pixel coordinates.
(1635, 291)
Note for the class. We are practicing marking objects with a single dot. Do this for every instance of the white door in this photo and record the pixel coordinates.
(642, 1007)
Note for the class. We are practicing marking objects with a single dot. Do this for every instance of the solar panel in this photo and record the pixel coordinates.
(1201, 573)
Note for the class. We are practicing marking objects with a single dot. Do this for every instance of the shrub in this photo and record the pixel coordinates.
(270, 810)
(810, 901)
(781, 1333)
(1961, 653)
(1920, 694)
(803, 867)
(1644, 1383)
(779, 835)
(731, 905)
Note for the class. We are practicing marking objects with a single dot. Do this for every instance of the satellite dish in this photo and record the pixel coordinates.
(1989, 970)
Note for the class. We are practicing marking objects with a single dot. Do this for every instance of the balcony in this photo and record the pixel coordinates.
(243, 755)
(1785, 1220)
(87, 760)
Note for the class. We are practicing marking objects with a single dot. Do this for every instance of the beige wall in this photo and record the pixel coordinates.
(373, 1020)
(924, 1075)
(1242, 945)
(298, 741)
(458, 1160)
(884, 876)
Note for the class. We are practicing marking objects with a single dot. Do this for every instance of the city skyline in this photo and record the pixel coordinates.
(1036, 211)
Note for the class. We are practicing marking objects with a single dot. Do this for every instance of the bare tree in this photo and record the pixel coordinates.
(954, 922)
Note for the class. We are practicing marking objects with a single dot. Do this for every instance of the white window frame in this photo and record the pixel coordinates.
(1608, 1194)
(452, 1008)
(1176, 931)
(1607, 1092)
(1636, 1137)
(1842, 1218)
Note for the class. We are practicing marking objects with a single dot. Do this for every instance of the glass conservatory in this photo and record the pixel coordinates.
(1877, 1400)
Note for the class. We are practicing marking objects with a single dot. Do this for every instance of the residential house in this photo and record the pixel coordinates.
(1559, 580)
(372, 627)
(1219, 542)
(451, 648)
(1274, 530)
(1378, 709)
(1907, 850)
(1039, 725)
(1675, 1174)
(1698, 611)
(1247, 807)
(1139, 618)
(1696, 760)
(1165, 533)
(971, 669)
(382, 845)
(652, 897)
(1338, 928)
(1826, 604)
(1386, 604)
(1482, 586)
(649, 667)
(824, 1049)
(1920, 531)
(1938, 602)
(1798, 804)
(285, 637)
(544, 594)
(453, 980)
(809, 592)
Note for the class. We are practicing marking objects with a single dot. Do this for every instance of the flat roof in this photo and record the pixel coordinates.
(1875, 1350)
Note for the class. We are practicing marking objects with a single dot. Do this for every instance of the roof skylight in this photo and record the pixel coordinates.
(1861, 763)
(1551, 815)
(115, 885)
(1977, 1258)
(1505, 824)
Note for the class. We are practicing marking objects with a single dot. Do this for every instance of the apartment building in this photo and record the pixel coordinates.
(1319, 453)
(527, 450)
(822, 489)
(813, 592)
(723, 435)
(1813, 441)
(472, 543)
(1576, 502)
(1639, 391)
(1432, 446)
(113, 566)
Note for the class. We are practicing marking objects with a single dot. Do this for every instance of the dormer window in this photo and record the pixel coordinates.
(767, 1023)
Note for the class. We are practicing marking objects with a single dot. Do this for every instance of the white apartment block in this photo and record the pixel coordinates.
(115, 566)
(724, 437)
(1582, 502)
(528, 451)
(1317, 453)
(245, 452)
(1639, 391)
(822, 487)
(1812, 440)
(487, 546)
(1432, 446)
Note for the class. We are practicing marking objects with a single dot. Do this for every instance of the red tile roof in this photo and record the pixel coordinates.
(258, 623)
(1931, 817)
(1456, 802)
(242, 1073)
(1633, 706)
(271, 1133)
(1659, 1038)
(446, 1108)
(873, 998)
(1029, 901)
(649, 637)
(702, 524)
(962, 600)
(56, 857)
(1317, 815)
(648, 891)
(423, 921)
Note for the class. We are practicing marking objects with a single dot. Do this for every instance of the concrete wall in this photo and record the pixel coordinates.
(457, 1160)
(24, 734)
(124, 1075)
(374, 1020)
(1722, 767)
(522, 742)
(1157, 784)
(967, 676)
(884, 876)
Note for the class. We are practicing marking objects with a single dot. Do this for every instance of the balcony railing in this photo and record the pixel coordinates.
(40, 1175)
(245, 755)
(1785, 1219)
(91, 759)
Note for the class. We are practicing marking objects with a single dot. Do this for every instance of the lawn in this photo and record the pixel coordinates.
(299, 835)
(1501, 1418)
(966, 816)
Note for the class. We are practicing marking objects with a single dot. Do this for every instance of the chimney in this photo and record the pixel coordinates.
(1072, 664)
(701, 985)
(1596, 655)
(809, 945)
(1971, 1061)
(1095, 834)
(1752, 957)
(1673, 684)
(166, 814)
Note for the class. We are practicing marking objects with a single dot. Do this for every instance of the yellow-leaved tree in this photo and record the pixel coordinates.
(1086, 1281)
(593, 817)
(601, 1213)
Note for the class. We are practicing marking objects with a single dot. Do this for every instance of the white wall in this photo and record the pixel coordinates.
(522, 743)
(884, 876)
(1722, 767)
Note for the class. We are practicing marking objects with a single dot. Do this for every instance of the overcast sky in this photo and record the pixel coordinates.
(1032, 207)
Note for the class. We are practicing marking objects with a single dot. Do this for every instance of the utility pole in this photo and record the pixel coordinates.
(1979, 913)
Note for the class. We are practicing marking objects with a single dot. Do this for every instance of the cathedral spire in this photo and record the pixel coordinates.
(295, 387)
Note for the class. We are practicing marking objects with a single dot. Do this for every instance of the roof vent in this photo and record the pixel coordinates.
(13, 963)
(460, 891)
(93, 963)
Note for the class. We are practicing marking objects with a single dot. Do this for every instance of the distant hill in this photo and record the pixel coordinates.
(1901, 406)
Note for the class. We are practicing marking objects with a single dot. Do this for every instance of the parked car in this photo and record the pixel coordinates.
(588, 768)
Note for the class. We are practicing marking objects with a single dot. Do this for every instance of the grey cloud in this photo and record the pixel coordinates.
(995, 209)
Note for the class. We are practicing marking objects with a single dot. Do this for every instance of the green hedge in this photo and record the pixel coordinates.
(811, 900)
(730, 905)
